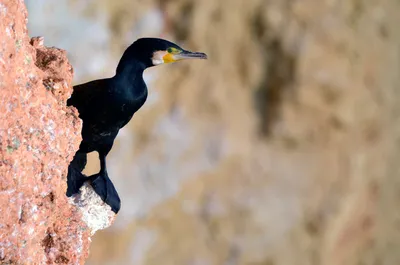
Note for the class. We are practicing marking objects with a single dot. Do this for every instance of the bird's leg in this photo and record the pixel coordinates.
(103, 166)
(103, 186)
(75, 178)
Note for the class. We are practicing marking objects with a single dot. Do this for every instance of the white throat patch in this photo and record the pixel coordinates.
(158, 57)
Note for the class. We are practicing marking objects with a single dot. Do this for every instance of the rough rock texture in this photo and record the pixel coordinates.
(38, 138)
(95, 213)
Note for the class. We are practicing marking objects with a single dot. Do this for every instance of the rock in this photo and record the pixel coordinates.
(39, 136)
(95, 213)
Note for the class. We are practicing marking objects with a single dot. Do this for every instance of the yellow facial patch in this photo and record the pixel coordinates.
(160, 57)
(168, 58)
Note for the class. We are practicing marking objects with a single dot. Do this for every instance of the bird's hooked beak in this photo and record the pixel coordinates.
(188, 55)
(173, 55)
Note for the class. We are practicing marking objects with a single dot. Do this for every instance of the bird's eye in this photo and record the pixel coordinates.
(173, 50)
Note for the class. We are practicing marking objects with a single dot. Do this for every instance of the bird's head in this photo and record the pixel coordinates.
(154, 51)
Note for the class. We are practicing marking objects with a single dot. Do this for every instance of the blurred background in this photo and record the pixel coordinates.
(281, 149)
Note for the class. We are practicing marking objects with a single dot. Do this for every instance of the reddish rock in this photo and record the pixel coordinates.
(38, 138)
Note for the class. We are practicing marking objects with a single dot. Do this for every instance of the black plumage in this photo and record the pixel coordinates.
(107, 105)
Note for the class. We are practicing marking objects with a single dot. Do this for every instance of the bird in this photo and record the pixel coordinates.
(107, 105)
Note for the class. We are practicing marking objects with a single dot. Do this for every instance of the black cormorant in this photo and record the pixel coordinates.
(107, 105)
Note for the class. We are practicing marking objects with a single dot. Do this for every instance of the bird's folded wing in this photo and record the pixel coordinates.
(89, 97)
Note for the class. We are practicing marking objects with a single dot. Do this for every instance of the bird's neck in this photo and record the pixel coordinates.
(129, 76)
(130, 67)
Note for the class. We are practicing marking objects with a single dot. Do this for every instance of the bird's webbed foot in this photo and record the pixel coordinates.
(75, 180)
(103, 186)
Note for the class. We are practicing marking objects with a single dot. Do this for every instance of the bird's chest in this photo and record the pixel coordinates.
(120, 110)
(112, 113)
(110, 120)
